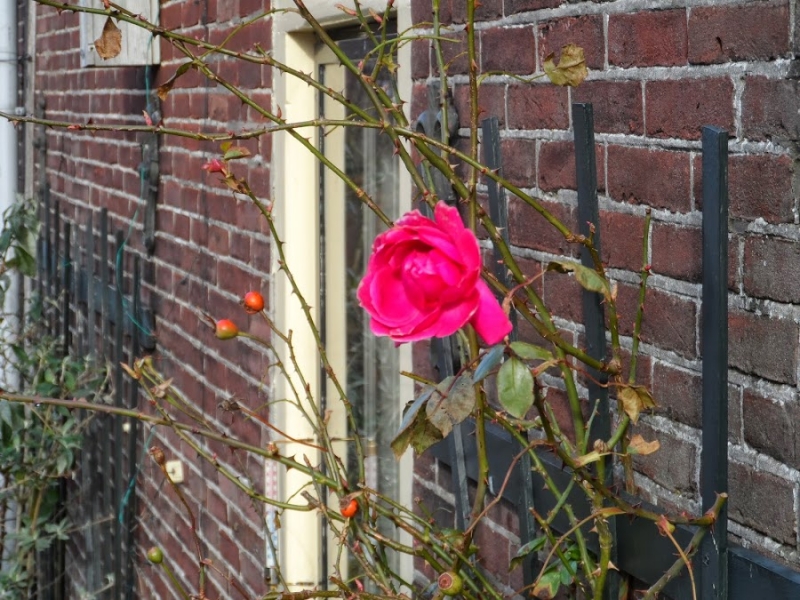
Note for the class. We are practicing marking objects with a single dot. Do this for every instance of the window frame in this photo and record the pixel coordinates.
(296, 177)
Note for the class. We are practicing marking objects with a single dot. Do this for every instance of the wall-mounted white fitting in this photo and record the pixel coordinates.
(175, 471)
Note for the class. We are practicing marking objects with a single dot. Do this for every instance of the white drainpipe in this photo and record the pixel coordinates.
(8, 154)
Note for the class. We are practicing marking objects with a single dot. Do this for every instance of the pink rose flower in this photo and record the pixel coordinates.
(214, 165)
(423, 280)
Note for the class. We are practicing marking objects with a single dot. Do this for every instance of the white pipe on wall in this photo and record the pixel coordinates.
(8, 157)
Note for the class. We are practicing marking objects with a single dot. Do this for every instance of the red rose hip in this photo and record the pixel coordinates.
(253, 302)
(226, 329)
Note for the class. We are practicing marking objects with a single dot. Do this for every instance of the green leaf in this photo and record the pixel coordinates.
(489, 361)
(515, 387)
(424, 435)
(534, 545)
(571, 68)
(530, 352)
(547, 586)
(164, 89)
(404, 435)
(591, 457)
(236, 152)
(451, 403)
(588, 278)
(5, 413)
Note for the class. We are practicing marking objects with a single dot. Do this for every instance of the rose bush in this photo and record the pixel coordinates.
(423, 280)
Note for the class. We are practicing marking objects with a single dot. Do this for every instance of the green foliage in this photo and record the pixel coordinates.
(38, 443)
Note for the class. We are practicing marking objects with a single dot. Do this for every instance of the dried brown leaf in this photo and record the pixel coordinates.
(109, 44)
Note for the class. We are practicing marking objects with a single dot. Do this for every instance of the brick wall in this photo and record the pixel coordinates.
(656, 76)
(210, 249)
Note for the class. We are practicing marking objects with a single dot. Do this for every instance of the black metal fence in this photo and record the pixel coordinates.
(80, 278)
(724, 570)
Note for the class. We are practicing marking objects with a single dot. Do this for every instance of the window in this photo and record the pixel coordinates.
(138, 46)
(328, 267)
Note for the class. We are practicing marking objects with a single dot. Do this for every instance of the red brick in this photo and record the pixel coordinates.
(670, 321)
(519, 161)
(617, 105)
(585, 31)
(760, 186)
(563, 297)
(508, 49)
(772, 427)
(679, 108)
(456, 10)
(720, 34)
(771, 268)
(518, 6)
(557, 166)
(621, 238)
(454, 53)
(762, 501)
(769, 108)
(537, 107)
(677, 251)
(420, 59)
(673, 465)
(649, 38)
(491, 103)
(527, 228)
(657, 178)
(678, 394)
(763, 346)
(421, 12)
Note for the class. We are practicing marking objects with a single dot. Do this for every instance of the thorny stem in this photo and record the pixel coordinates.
(685, 555)
(619, 436)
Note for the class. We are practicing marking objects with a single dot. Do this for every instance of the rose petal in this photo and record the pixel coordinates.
(463, 239)
(390, 303)
(490, 321)
(456, 316)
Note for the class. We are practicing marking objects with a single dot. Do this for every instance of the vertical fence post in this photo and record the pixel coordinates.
(106, 421)
(119, 356)
(133, 397)
(714, 462)
(498, 211)
(53, 281)
(66, 288)
(593, 313)
(91, 308)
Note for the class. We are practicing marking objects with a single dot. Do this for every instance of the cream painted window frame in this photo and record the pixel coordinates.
(296, 197)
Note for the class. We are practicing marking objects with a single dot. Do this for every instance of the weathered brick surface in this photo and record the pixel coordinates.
(537, 107)
(617, 105)
(673, 466)
(557, 166)
(763, 346)
(760, 186)
(762, 501)
(648, 38)
(669, 320)
(621, 237)
(770, 268)
(679, 111)
(585, 31)
(512, 50)
(719, 34)
(773, 427)
(768, 108)
(647, 176)
(210, 249)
